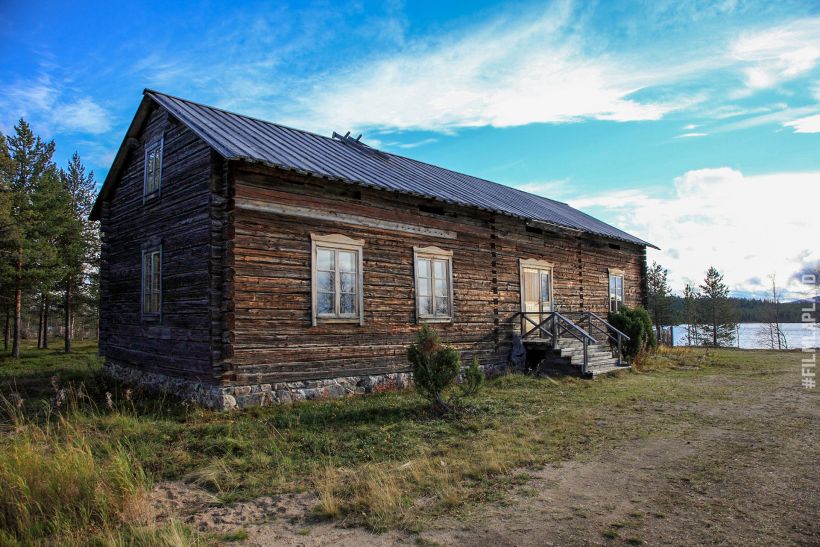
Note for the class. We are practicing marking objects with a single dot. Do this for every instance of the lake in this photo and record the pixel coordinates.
(806, 335)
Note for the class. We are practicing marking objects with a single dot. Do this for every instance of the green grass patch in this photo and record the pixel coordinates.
(382, 461)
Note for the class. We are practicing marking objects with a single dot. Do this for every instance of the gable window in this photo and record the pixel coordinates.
(337, 279)
(153, 170)
(434, 284)
(616, 289)
(151, 282)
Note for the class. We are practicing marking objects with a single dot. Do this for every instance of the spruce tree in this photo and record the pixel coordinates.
(690, 313)
(658, 292)
(718, 327)
(80, 245)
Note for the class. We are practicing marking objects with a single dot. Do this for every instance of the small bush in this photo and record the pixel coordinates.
(473, 378)
(635, 323)
(435, 366)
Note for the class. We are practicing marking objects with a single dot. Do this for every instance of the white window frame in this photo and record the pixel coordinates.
(619, 303)
(433, 254)
(146, 306)
(336, 242)
(157, 147)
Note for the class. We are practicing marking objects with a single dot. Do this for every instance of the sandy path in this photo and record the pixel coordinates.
(740, 471)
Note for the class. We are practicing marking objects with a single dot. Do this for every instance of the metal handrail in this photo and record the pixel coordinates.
(608, 330)
(559, 324)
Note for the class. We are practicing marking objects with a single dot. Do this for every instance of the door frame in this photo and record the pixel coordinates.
(533, 263)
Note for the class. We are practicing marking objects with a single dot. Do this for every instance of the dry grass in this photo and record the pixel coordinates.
(55, 486)
(668, 358)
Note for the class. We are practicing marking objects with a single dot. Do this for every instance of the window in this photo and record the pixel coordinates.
(337, 279)
(616, 290)
(151, 282)
(434, 284)
(153, 169)
(536, 286)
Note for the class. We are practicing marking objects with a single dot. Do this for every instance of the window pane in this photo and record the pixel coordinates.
(423, 267)
(325, 260)
(443, 306)
(347, 282)
(146, 282)
(347, 261)
(324, 303)
(545, 287)
(440, 269)
(531, 285)
(441, 288)
(325, 282)
(425, 305)
(612, 305)
(424, 287)
(347, 304)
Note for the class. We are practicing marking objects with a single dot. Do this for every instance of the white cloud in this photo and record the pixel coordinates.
(809, 124)
(746, 226)
(83, 115)
(506, 73)
(780, 53)
(689, 135)
(51, 108)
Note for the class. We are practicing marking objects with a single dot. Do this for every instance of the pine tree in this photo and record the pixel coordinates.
(80, 245)
(690, 313)
(32, 166)
(7, 246)
(658, 293)
(718, 327)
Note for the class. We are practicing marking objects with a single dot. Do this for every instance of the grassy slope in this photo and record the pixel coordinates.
(382, 460)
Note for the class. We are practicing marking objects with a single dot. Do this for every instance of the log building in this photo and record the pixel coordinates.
(244, 262)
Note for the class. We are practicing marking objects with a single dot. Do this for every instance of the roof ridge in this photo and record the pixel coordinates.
(325, 137)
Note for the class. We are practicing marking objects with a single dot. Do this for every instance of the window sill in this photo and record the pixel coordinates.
(434, 320)
(151, 317)
(338, 320)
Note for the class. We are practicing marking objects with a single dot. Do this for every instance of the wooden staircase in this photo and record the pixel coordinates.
(600, 359)
(557, 344)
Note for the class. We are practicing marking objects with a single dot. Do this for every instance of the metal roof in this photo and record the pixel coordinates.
(238, 137)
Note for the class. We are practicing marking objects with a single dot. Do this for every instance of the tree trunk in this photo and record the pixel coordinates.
(6, 329)
(40, 323)
(18, 304)
(45, 320)
(67, 324)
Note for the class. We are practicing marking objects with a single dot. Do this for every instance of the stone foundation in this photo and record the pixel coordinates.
(231, 397)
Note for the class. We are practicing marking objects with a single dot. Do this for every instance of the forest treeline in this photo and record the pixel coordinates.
(747, 310)
(49, 250)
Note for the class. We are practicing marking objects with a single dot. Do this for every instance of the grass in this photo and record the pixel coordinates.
(383, 461)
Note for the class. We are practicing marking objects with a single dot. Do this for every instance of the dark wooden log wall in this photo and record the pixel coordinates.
(270, 333)
(183, 218)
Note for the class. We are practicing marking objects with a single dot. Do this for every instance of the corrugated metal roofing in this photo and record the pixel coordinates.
(238, 137)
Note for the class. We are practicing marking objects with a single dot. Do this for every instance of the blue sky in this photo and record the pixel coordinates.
(694, 125)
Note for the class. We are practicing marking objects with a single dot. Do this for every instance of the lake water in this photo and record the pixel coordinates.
(805, 335)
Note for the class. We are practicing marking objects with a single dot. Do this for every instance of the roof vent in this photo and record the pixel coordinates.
(358, 144)
(347, 138)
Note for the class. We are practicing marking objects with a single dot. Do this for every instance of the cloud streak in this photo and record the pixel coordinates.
(52, 108)
(504, 73)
